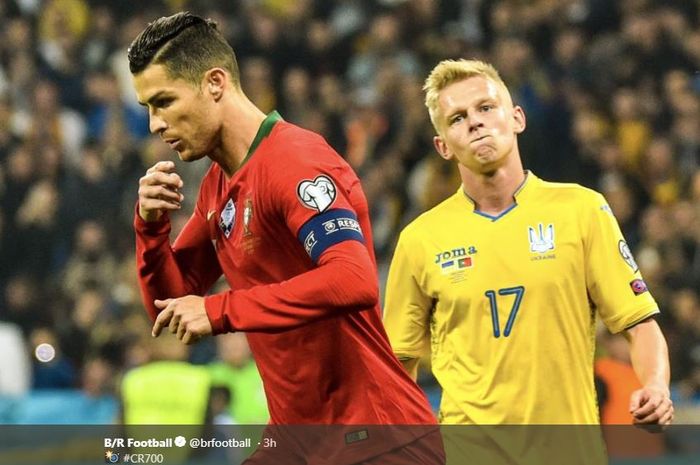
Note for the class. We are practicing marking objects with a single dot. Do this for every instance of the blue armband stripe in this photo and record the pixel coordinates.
(329, 228)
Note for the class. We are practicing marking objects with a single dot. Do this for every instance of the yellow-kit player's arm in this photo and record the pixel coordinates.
(649, 354)
(614, 282)
(625, 304)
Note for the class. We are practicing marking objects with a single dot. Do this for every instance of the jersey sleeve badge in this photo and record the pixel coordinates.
(318, 194)
(626, 254)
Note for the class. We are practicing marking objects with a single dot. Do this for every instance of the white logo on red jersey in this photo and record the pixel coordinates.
(318, 194)
(228, 217)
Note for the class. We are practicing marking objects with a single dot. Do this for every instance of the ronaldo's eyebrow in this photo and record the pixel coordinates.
(153, 98)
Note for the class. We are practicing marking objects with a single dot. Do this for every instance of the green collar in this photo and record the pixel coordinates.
(265, 128)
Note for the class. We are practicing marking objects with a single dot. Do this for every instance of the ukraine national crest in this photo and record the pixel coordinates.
(541, 239)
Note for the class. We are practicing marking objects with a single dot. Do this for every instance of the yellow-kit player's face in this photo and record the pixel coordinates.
(178, 111)
(478, 124)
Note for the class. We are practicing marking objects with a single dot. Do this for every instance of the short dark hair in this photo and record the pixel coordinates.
(186, 44)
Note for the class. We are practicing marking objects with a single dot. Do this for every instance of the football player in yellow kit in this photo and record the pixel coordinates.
(507, 277)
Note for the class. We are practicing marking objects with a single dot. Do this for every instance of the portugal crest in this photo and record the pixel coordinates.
(247, 216)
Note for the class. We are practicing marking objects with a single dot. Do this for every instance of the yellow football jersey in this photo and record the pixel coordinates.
(509, 303)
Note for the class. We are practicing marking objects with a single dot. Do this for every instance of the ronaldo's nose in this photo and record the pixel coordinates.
(156, 124)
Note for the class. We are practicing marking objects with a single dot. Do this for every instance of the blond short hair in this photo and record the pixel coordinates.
(448, 71)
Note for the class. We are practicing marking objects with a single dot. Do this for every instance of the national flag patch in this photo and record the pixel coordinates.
(638, 286)
(464, 262)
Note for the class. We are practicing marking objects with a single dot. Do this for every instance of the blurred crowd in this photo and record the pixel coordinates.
(611, 90)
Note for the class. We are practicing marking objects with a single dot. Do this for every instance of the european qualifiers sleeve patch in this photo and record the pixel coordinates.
(627, 255)
(318, 194)
(327, 229)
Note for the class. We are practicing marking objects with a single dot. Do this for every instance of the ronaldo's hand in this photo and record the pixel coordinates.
(651, 406)
(159, 191)
(185, 317)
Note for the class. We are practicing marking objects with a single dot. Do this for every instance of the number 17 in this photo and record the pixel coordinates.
(518, 291)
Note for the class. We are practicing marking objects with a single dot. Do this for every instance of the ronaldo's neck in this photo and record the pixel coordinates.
(238, 131)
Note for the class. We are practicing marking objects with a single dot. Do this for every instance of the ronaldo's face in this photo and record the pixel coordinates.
(478, 124)
(178, 112)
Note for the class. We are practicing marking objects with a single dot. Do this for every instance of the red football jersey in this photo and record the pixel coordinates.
(290, 230)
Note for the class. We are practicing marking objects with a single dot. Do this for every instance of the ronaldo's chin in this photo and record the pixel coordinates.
(187, 155)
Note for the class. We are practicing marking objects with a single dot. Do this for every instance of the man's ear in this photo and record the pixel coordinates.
(520, 120)
(441, 148)
(215, 81)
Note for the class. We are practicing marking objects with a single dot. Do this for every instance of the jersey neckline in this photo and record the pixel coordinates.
(263, 131)
(519, 195)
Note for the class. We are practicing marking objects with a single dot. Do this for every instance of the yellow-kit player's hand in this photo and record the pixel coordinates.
(186, 317)
(651, 405)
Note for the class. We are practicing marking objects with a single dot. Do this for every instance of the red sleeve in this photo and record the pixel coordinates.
(188, 267)
(344, 281)
(316, 195)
